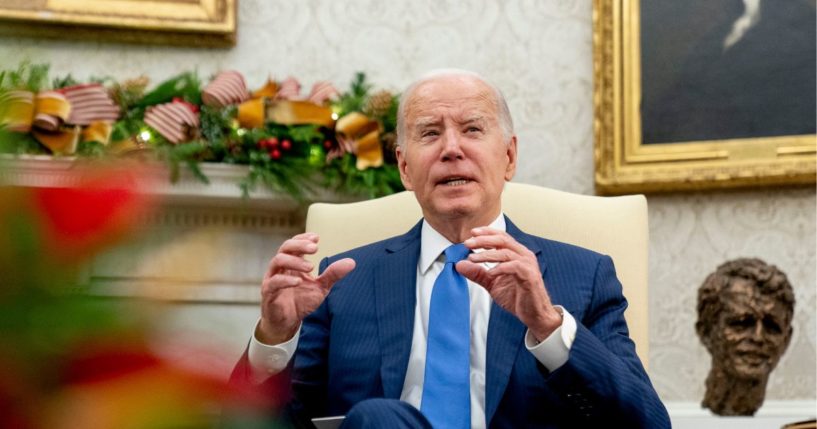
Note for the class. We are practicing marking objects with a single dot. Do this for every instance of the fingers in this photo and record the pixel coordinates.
(336, 271)
(491, 255)
(301, 244)
(282, 281)
(295, 247)
(283, 261)
(474, 272)
(489, 238)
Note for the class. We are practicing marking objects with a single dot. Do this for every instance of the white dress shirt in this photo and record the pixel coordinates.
(552, 352)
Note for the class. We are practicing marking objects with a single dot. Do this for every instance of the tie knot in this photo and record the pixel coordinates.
(455, 253)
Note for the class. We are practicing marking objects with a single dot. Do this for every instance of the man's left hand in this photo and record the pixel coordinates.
(515, 283)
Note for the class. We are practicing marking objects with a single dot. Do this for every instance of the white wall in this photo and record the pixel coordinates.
(540, 54)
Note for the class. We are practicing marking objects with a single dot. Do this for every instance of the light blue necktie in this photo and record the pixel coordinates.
(446, 388)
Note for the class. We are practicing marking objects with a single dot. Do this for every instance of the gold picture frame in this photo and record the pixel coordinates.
(624, 164)
(198, 23)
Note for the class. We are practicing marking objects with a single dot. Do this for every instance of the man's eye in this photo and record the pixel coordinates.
(429, 133)
(771, 326)
(742, 323)
(473, 130)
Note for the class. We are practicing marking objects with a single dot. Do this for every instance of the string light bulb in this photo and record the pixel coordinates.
(144, 135)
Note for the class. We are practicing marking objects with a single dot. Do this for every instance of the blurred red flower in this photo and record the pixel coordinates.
(100, 209)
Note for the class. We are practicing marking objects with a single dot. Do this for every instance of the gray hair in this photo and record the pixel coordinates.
(505, 120)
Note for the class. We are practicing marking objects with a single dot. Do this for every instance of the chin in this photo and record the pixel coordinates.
(750, 372)
(455, 213)
(457, 209)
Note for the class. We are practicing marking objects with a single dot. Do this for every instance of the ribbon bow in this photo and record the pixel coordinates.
(282, 104)
(176, 121)
(55, 118)
(360, 135)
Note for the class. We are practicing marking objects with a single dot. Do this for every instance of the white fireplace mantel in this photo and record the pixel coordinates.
(223, 189)
(205, 244)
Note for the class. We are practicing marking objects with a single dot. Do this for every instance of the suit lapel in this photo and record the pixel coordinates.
(505, 337)
(395, 285)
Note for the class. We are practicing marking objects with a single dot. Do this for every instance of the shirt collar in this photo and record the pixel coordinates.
(432, 243)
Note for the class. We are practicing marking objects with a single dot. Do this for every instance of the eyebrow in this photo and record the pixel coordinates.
(472, 119)
(428, 121)
(425, 122)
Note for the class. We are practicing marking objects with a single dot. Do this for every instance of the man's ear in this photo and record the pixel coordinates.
(511, 153)
(402, 165)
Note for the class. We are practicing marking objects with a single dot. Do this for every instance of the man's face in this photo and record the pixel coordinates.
(752, 333)
(454, 157)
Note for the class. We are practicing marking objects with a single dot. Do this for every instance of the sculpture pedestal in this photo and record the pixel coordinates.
(772, 415)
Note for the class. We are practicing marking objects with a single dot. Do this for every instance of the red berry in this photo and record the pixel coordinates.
(275, 154)
(286, 145)
(327, 144)
(273, 141)
(263, 143)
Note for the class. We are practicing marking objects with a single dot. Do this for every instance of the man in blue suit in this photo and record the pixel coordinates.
(464, 321)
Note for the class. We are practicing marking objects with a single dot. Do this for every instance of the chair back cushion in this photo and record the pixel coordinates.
(615, 226)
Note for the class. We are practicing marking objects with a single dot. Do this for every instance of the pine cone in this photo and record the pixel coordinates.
(378, 104)
(132, 89)
(136, 85)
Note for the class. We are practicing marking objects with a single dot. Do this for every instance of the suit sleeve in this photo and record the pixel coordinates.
(300, 390)
(603, 379)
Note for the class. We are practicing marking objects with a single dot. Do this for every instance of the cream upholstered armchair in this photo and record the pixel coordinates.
(616, 226)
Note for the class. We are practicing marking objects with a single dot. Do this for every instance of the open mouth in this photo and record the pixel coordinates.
(454, 181)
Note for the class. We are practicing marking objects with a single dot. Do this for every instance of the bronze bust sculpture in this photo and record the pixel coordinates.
(745, 310)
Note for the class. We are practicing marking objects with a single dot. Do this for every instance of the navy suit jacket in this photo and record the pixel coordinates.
(356, 345)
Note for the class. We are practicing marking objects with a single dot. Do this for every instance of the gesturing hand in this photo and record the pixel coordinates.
(515, 283)
(289, 292)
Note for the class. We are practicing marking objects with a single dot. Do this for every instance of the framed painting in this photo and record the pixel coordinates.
(703, 94)
(175, 22)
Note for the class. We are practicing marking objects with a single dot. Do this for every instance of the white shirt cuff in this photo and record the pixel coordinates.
(268, 360)
(555, 349)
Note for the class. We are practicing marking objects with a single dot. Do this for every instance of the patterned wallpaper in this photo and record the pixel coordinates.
(539, 53)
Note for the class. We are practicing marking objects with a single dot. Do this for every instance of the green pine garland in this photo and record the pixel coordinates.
(298, 168)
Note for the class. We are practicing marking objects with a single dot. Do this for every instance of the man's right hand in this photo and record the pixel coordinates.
(289, 292)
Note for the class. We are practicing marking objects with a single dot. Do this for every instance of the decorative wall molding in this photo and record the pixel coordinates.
(177, 291)
(204, 244)
(222, 191)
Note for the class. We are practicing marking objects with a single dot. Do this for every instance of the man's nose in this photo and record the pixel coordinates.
(758, 331)
(452, 145)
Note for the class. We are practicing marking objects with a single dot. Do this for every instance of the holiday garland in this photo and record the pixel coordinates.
(291, 143)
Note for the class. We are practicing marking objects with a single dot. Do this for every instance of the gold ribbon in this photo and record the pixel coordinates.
(262, 108)
(63, 142)
(97, 131)
(251, 113)
(296, 112)
(365, 133)
(268, 90)
(20, 110)
(43, 115)
(49, 105)
(17, 111)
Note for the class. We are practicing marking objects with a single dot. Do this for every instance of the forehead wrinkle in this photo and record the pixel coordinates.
(426, 94)
(427, 107)
(425, 122)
